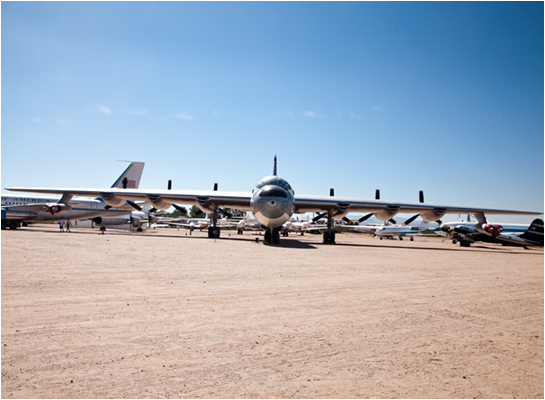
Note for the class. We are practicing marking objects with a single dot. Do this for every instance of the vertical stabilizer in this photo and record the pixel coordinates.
(534, 231)
(274, 168)
(133, 173)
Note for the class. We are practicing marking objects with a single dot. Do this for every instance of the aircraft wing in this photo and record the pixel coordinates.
(201, 198)
(336, 206)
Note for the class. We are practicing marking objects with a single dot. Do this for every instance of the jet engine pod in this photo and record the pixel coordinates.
(56, 208)
(493, 230)
(112, 200)
(158, 202)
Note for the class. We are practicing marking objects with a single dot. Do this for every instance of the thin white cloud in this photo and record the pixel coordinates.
(215, 113)
(309, 114)
(104, 110)
(36, 120)
(61, 121)
(183, 116)
(353, 115)
(242, 116)
(141, 111)
(377, 108)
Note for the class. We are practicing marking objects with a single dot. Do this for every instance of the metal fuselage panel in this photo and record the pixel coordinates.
(272, 202)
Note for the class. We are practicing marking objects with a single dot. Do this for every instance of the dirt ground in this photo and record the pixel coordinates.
(165, 315)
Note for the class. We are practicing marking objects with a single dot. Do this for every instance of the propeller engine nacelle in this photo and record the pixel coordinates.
(433, 215)
(55, 208)
(492, 230)
(387, 214)
(158, 202)
(112, 200)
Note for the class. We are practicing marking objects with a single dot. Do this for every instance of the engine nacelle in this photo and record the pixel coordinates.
(386, 214)
(112, 200)
(433, 215)
(158, 202)
(55, 208)
(492, 230)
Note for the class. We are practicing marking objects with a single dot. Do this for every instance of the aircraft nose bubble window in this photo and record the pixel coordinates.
(273, 192)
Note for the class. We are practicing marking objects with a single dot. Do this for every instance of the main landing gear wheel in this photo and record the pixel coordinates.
(329, 237)
(213, 232)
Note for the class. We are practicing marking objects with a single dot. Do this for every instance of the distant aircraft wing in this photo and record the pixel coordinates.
(335, 206)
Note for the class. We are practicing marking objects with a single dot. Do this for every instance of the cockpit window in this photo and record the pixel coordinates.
(273, 192)
(276, 181)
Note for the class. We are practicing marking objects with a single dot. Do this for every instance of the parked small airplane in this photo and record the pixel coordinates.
(248, 223)
(508, 235)
(391, 231)
(18, 209)
(273, 202)
(192, 223)
(301, 227)
(135, 219)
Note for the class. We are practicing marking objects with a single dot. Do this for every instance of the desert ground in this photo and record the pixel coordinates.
(165, 314)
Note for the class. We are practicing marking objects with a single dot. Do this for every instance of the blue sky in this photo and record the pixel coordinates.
(445, 97)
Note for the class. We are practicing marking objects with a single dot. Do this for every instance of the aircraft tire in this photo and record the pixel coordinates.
(276, 237)
(329, 238)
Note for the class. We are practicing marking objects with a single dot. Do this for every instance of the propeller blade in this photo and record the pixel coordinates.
(365, 217)
(169, 185)
(393, 221)
(319, 216)
(411, 219)
(134, 205)
(377, 194)
(225, 212)
(180, 208)
(421, 196)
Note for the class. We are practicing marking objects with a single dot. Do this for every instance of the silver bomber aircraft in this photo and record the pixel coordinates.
(273, 202)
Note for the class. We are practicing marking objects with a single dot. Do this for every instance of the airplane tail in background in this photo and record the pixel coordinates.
(130, 178)
(534, 231)
(424, 225)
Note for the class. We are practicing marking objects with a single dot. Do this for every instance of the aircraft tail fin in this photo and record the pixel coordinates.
(130, 178)
(534, 231)
(425, 225)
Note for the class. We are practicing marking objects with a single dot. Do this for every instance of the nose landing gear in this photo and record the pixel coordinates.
(272, 236)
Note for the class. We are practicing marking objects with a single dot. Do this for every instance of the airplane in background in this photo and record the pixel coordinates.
(391, 231)
(135, 219)
(273, 202)
(249, 223)
(24, 209)
(508, 235)
(301, 227)
(192, 223)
